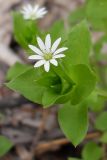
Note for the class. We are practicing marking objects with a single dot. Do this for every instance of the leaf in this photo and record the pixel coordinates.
(25, 31)
(94, 11)
(97, 9)
(77, 15)
(54, 98)
(26, 85)
(101, 122)
(5, 145)
(85, 82)
(79, 45)
(16, 70)
(97, 13)
(73, 121)
(102, 93)
(57, 30)
(103, 138)
(95, 101)
(92, 151)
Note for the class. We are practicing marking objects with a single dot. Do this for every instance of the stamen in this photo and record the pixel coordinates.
(47, 56)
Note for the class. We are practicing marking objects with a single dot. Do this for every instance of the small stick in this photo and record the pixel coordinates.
(49, 146)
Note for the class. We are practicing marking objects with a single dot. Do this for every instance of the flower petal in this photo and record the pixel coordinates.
(59, 56)
(47, 66)
(48, 42)
(25, 11)
(41, 44)
(29, 7)
(39, 63)
(35, 49)
(24, 8)
(60, 50)
(55, 45)
(33, 12)
(54, 62)
(41, 12)
(36, 8)
(35, 57)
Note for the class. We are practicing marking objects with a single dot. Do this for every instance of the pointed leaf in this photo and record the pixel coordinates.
(73, 121)
(25, 31)
(26, 85)
(16, 70)
(85, 81)
(79, 45)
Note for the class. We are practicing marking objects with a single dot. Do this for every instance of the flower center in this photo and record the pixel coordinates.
(47, 56)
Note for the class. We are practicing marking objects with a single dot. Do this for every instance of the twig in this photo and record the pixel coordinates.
(23, 153)
(53, 145)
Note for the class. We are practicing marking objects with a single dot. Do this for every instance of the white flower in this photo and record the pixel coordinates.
(47, 53)
(33, 12)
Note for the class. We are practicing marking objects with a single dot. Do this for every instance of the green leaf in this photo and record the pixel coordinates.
(57, 30)
(92, 151)
(97, 13)
(54, 98)
(94, 11)
(26, 85)
(101, 122)
(79, 45)
(16, 70)
(102, 93)
(103, 138)
(73, 121)
(77, 15)
(25, 30)
(85, 82)
(97, 9)
(95, 101)
(5, 145)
